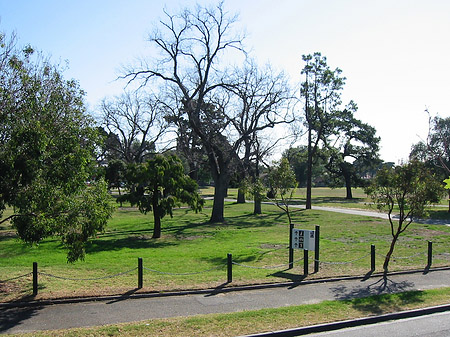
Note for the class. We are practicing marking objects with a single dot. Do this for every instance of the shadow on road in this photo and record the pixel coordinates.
(365, 298)
(11, 317)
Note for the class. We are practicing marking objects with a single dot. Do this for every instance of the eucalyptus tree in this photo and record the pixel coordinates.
(408, 188)
(354, 142)
(435, 151)
(321, 94)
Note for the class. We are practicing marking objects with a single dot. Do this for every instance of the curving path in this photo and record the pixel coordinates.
(361, 212)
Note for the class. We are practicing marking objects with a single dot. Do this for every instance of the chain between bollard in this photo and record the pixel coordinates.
(401, 257)
(267, 267)
(16, 278)
(87, 279)
(345, 262)
(184, 274)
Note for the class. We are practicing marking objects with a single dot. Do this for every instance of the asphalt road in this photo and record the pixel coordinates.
(436, 325)
(62, 316)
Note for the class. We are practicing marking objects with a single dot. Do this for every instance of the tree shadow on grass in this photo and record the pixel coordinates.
(132, 242)
(231, 222)
(379, 295)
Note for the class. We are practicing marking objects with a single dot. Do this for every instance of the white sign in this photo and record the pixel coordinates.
(303, 239)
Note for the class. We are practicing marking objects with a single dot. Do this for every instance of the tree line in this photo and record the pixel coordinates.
(229, 120)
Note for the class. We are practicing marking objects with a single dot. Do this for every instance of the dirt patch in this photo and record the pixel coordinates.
(128, 208)
(140, 237)
(8, 234)
(192, 237)
(271, 246)
(428, 233)
(9, 287)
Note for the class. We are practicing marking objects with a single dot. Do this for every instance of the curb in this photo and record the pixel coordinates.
(353, 323)
(223, 289)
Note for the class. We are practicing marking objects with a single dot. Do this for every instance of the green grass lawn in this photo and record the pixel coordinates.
(190, 244)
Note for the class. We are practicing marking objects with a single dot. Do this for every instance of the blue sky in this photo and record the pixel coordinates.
(394, 54)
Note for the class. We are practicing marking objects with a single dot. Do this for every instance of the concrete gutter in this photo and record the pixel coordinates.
(353, 323)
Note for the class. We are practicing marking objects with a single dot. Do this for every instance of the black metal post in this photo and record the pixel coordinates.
(372, 258)
(305, 262)
(230, 268)
(430, 254)
(316, 252)
(140, 273)
(291, 249)
(35, 278)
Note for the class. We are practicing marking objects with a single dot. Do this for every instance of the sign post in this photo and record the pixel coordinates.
(291, 247)
(316, 252)
(306, 240)
(303, 239)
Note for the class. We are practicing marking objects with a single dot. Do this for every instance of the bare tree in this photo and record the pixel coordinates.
(191, 45)
(262, 102)
(135, 125)
(224, 110)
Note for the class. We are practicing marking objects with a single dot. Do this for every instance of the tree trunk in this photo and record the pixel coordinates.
(157, 226)
(193, 171)
(449, 201)
(257, 205)
(220, 192)
(348, 185)
(309, 174)
(120, 194)
(389, 254)
(156, 215)
(241, 196)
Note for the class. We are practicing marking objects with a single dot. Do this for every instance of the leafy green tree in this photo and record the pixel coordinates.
(161, 185)
(47, 153)
(410, 187)
(355, 145)
(115, 175)
(298, 159)
(435, 151)
(282, 183)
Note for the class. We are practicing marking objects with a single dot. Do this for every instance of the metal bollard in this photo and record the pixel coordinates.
(372, 258)
(305, 262)
(430, 254)
(230, 268)
(35, 278)
(140, 273)
(316, 252)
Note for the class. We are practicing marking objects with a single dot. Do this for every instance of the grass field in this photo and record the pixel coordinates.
(190, 245)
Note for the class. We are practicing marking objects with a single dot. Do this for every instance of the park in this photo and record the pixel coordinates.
(210, 172)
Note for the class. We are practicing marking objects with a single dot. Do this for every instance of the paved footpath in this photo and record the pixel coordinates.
(363, 212)
(117, 310)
